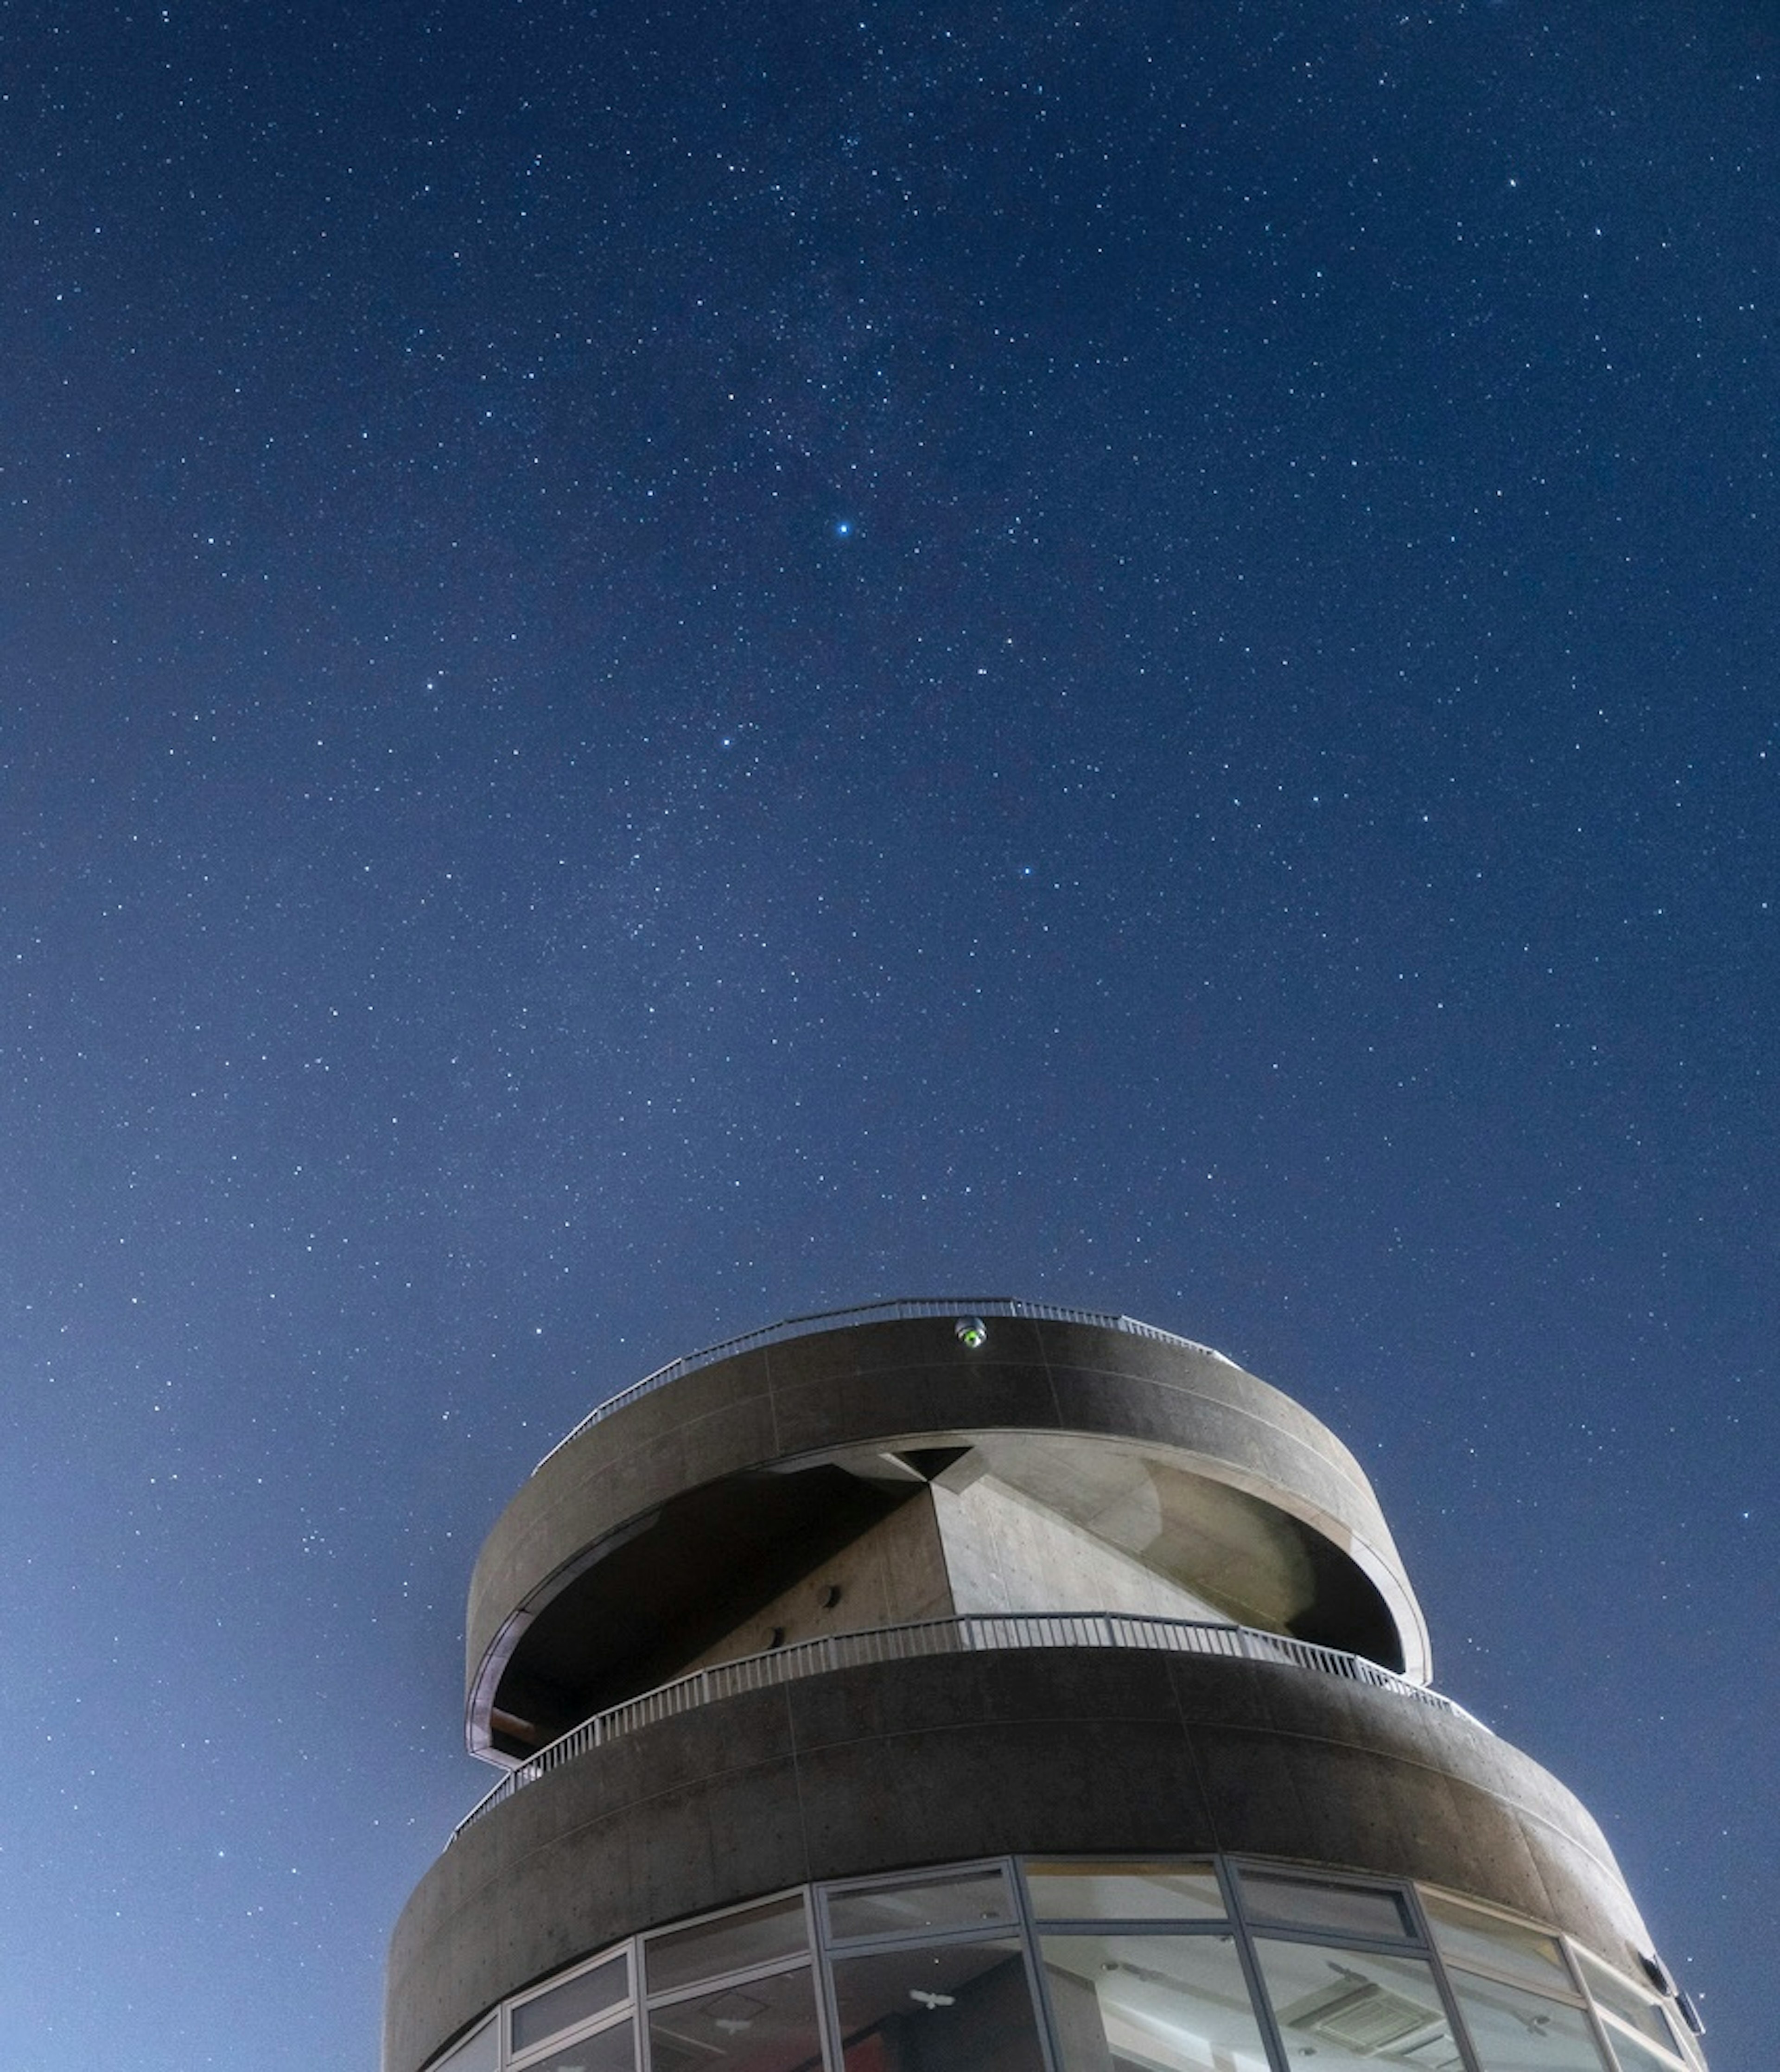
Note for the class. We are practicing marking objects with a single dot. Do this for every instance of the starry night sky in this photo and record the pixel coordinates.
(666, 664)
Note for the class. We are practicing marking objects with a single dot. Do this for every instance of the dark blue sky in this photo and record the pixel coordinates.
(668, 663)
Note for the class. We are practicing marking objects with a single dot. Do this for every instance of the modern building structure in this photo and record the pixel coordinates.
(991, 1688)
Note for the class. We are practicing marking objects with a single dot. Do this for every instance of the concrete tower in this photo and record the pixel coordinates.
(989, 1687)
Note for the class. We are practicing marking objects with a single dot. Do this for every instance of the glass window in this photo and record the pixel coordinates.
(963, 1899)
(1124, 1892)
(576, 1999)
(732, 1942)
(1513, 2030)
(1633, 2055)
(1350, 1909)
(762, 2026)
(479, 2052)
(1467, 1935)
(1351, 2007)
(1151, 2004)
(960, 2007)
(612, 2050)
(1634, 2004)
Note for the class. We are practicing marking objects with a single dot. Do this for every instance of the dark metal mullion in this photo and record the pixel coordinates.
(1037, 1983)
(828, 2011)
(1436, 1964)
(641, 2057)
(1273, 2042)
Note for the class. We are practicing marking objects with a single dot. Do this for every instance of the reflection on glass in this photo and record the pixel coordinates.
(1151, 2004)
(765, 2025)
(1124, 1892)
(1350, 2008)
(966, 1899)
(1632, 2004)
(476, 2053)
(1467, 1935)
(577, 1998)
(756, 1935)
(1512, 2030)
(964, 2007)
(1350, 1909)
(612, 2050)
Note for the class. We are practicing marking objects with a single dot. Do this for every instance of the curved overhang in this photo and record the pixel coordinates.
(655, 1534)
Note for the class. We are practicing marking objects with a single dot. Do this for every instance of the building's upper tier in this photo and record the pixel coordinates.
(977, 1457)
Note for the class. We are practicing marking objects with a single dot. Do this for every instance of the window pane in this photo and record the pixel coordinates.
(1512, 2030)
(1632, 2004)
(612, 2050)
(1634, 2056)
(964, 2007)
(755, 1936)
(767, 2025)
(1151, 2004)
(1351, 1909)
(1351, 2008)
(576, 1999)
(967, 1899)
(1468, 1935)
(1124, 1892)
(476, 2053)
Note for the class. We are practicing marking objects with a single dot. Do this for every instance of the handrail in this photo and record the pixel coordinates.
(894, 1310)
(973, 1633)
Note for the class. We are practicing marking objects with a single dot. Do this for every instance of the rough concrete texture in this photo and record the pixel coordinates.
(1045, 1751)
(911, 1384)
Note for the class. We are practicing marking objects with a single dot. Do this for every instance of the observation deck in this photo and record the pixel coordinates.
(878, 1467)
(809, 1606)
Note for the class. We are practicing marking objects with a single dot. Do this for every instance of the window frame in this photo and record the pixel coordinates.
(1023, 1927)
(1007, 1867)
(510, 2059)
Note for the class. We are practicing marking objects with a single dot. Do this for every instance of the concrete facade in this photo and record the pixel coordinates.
(863, 1479)
(603, 1575)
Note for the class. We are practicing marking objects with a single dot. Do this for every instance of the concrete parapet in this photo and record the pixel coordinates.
(1049, 1752)
(678, 1530)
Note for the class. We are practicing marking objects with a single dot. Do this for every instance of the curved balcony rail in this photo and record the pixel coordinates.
(974, 1633)
(874, 1312)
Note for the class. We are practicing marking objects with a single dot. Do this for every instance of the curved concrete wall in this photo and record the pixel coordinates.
(911, 1382)
(1042, 1751)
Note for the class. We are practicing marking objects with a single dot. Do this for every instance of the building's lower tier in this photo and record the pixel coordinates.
(1049, 1753)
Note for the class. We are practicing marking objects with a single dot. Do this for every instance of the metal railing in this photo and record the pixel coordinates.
(974, 1633)
(869, 1312)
